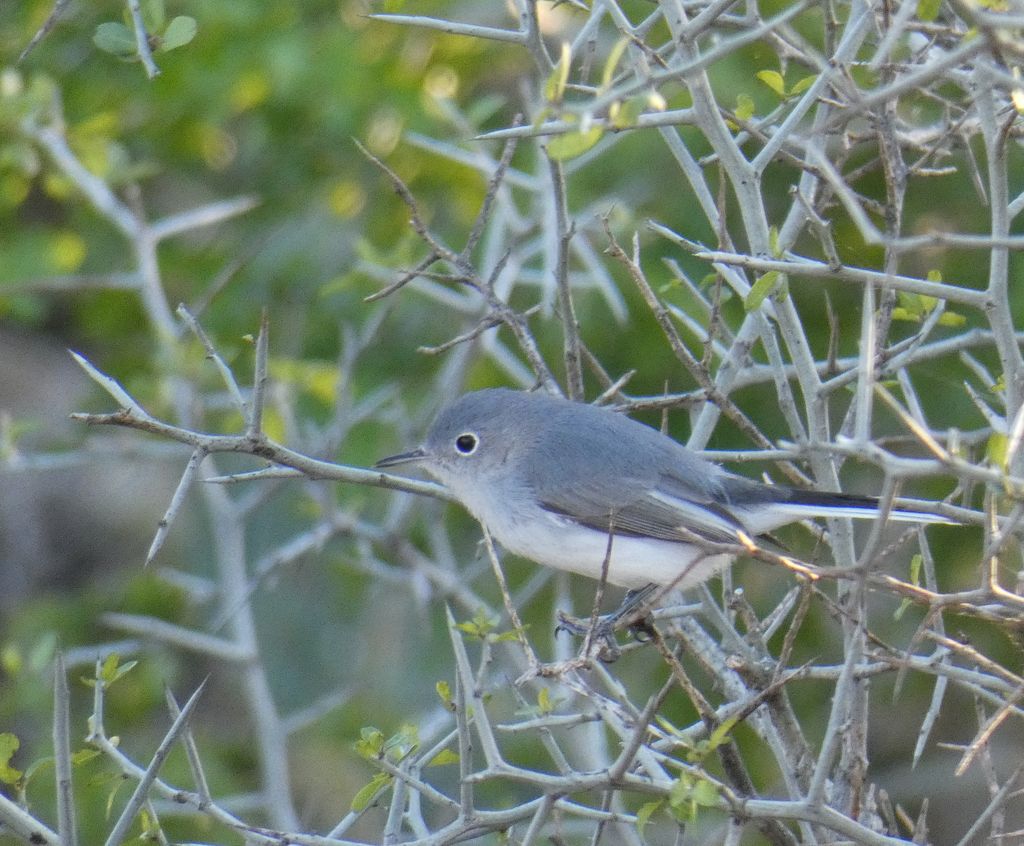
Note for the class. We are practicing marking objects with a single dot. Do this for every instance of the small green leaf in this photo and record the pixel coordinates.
(912, 307)
(760, 290)
(126, 667)
(11, 659)
(40, 765)
(180, 31)
(9, 744)
(913, 303)
(951, 318)
(148, 828)
(773, 242)
(544, 701)
(624, 114)
(480, 626)
(721, 734)
(554, 87)
(773, 79)
(928, 10)
(782, 292)
(801, 85)
(108, 670)
(647, 810)
(154, 15)
(705, 793)
(442, 758)
(900, 313)
(113, 795)
(115, 38)
(112, 668)
(572, 144)
(690, 792)
(370, 744)
(995, 450)
(612, 62)
(401, 743)
(444, 691)
(83, 756)
(916, 562)
(365, 795)
(744, 107)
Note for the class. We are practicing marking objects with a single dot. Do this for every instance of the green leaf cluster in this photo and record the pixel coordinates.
(777, 83)
(482, 627)
(163, 36)
(915, 308)
(622, 113)
(110, 671)
(373, 745)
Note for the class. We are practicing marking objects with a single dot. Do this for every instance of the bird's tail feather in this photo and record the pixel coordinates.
(826, 504)
(792, 504)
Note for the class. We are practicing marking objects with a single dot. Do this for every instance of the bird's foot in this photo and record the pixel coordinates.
(630, 615)
(600, 630)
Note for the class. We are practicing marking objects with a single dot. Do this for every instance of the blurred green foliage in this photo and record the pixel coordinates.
(267, 99)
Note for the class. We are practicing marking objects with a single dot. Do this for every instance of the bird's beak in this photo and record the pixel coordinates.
(410, 457)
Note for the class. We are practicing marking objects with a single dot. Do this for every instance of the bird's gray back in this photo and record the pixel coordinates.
(601, 457)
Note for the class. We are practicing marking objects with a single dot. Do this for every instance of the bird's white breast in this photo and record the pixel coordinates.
(556, 541)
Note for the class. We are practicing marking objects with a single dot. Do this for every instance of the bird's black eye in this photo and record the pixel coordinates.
(466, 443)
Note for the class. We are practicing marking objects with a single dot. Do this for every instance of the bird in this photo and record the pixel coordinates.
(551, 479)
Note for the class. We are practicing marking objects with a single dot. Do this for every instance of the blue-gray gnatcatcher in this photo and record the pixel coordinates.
(549, 478)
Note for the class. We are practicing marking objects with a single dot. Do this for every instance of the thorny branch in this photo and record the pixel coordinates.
(609, 758)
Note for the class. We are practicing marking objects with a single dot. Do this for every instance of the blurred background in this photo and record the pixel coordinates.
(268, 102)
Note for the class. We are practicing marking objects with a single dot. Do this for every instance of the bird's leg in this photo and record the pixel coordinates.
(605, 626)
(629, 612)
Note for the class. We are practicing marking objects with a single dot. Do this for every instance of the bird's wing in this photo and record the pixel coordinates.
(646, 486)
(650, 512)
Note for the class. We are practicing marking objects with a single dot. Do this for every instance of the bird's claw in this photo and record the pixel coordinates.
(601, 631)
